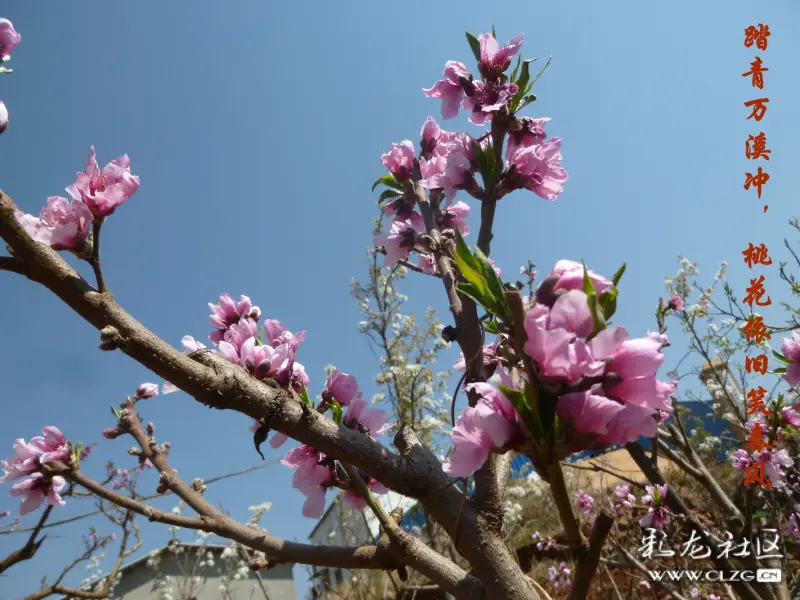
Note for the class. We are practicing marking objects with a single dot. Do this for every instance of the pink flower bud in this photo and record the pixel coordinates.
(147, 390)
(8, 38)
(111, 433)
(3, 117)
(676, 302)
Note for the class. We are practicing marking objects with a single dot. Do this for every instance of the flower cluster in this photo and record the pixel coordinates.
(773, 461)
(483, 99)
(793, 523)
(29, 464)
(657, 515)
(64, 224)
(560, 577)
(9, 38)
(269, 352)
(315, 472)
(448, 161)
(602, 383)
(541, 543)
(624, 497)
(791, 350)
(584, 502)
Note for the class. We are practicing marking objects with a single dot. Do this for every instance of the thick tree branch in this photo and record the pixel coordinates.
(587, 566)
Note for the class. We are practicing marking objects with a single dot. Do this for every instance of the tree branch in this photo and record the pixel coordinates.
(31, 546)
(9, 263)
(587, 566)
(363, 557)
(218, 384)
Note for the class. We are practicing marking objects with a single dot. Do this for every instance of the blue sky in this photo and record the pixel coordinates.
(257, 128)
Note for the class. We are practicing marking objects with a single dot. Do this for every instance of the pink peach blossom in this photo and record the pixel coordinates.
(62, 224)
(103, 191)
(450, 90)
(35, 489)
(399, 241)
(9, 38)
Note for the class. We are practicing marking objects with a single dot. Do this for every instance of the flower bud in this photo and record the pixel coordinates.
(3, 117)
(147, 390)
(111, 433)
(676, 303)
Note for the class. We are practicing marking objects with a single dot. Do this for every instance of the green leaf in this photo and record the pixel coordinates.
(482, 283)
(304, 396)
(594, 306)
(539, 74)
(618, 275)
(336, 412)
(779, 371)
(525, 101)
(486, 163)
(608, 302)
(76, 453)
(480, 296)
(588, 286)
(781, 357)
(524, 402)
(495, 286)
(386, 194)
(524, 77)
(516, 69)
(388, 180)
(465, 262)
(475, 45)
(490, 326)
(115, 412)
(522, 83)
(494, 33)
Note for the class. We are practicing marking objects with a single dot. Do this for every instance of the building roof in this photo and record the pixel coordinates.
(143, 559)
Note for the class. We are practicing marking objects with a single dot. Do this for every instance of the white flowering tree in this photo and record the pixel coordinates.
(567, 379)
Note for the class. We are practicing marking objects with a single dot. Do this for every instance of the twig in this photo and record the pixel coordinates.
(672, 593)
(449, 576)
(143, 498)
(613, 583)
(599, 468)
(95, 259)
(9, 263)
(31, 546)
